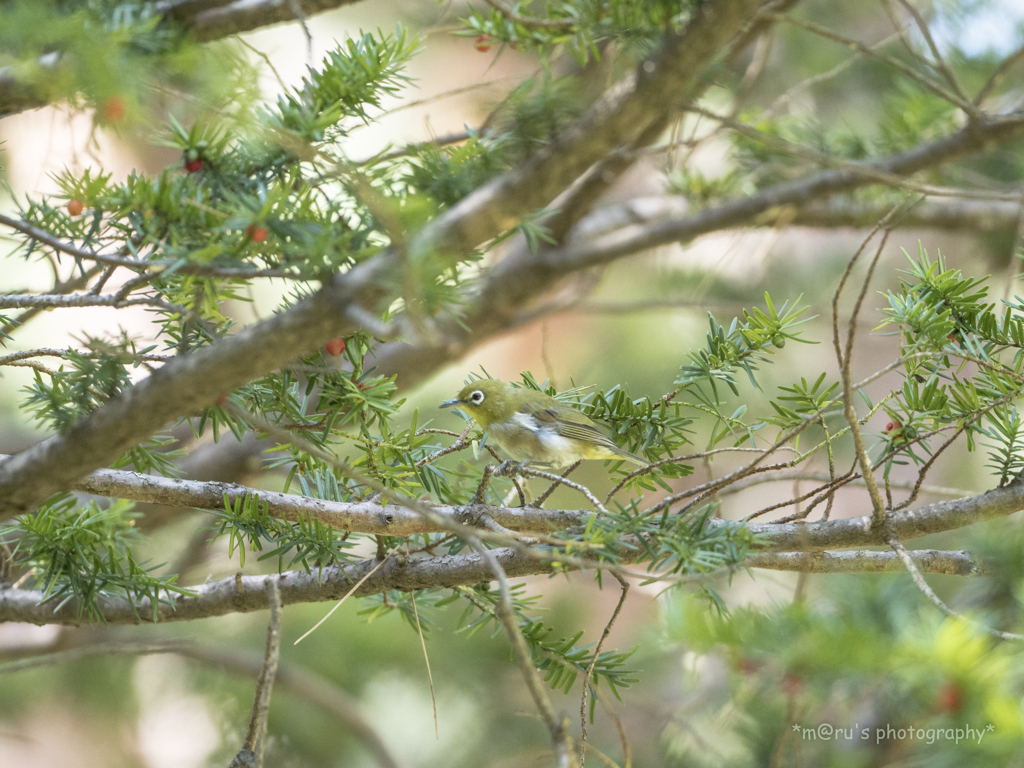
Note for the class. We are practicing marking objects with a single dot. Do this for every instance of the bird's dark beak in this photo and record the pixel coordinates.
(450, 403)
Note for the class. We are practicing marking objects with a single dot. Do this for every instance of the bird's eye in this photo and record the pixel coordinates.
(477, 397)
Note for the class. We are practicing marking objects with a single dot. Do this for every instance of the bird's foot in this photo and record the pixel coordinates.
(509, 468)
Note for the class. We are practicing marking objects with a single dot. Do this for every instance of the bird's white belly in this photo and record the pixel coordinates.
(539, 443)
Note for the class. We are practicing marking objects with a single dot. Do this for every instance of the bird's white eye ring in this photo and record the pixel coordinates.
(477, 397)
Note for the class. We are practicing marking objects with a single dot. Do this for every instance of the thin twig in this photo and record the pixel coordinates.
(256, 739)
(266, 60)
(940, 62)
(896, 64)
(539, 501)
(557, 728)
(348, 594)
(66, 355)
(201, 270)
(674, 460)
(810, 82)
(1001, 70)
(73, 654)
(843, 358)
(593, 662)
(426, 658)
(564, 481)
(915, 574)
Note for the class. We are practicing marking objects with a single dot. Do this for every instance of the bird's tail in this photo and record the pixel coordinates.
(624, 454)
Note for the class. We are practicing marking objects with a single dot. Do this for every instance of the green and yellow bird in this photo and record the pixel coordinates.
(535, 428)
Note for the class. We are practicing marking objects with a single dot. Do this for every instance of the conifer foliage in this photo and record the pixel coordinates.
(387, 268)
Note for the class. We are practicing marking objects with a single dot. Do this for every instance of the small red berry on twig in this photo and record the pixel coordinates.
(113, 110)
(335, 347)
(792, 684)
(256, 234)
(483, 43)
(892, 426)
(75, 207)
(950, 698)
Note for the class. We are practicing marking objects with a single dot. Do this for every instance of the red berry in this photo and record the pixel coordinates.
(747, 666)
(256, 234)
(892, 426)
(113, 110)
(222, 400)
(792, 684)
(75, 207)
(193, 166)
(335, 347)
(950, 698)
(483, 43)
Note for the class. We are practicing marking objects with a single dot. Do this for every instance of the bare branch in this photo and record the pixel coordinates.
(61, 287)
(626, 111)
(558, 727)
(915, 574)
(971, 215)
(305, 685)
(862, 531)
(54, 301)
(520, 278)
(98, 649)
(843, 356)
(593, 662)
(1004, 66)
(230, 18)
(950, 563)
(251, 753)
(246, 594)
(896, 64)
(939, 62)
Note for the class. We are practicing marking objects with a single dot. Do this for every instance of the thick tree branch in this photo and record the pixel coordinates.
(975, 138)
(393, 520)
(183, 386)
(862, 532)
(245, 594)
(358, 517)
(516, 281)
(969, 215)
(660, 86)
(942, 214)
(197, 379)
(213, 19)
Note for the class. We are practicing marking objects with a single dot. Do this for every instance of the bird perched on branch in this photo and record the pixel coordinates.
(534, 428)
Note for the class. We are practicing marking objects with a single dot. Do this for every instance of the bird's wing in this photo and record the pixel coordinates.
(578, 428)
(588, 433)
(536, 418)
(542, 416)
